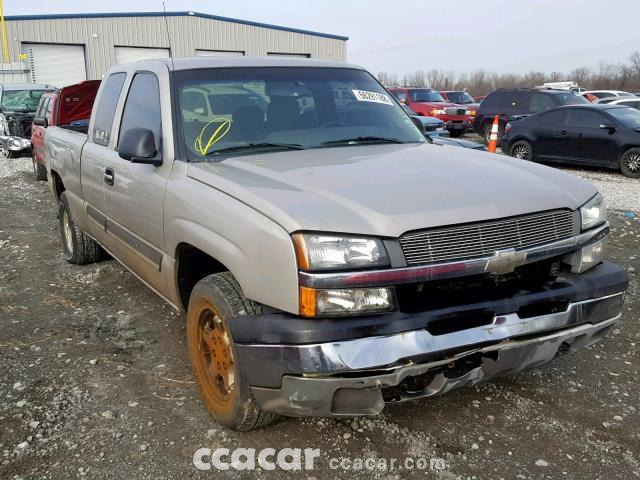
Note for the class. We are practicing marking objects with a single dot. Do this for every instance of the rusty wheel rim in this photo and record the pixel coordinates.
(215, 358)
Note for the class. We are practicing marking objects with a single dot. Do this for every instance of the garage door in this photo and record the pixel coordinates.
(219, 53)
(56, 64)
(135, 54)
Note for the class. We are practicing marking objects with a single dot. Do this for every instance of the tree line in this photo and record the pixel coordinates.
(603, 76)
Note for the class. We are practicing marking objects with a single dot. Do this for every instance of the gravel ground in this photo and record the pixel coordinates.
(95, 383)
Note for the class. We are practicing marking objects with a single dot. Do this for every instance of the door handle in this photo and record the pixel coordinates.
(109, 176)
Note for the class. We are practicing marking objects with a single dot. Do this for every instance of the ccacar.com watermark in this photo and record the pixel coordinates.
(303, 459)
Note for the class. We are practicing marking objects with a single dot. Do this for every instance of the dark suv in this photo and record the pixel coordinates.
(513, 103)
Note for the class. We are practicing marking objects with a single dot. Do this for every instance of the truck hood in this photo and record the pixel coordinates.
(386, 190)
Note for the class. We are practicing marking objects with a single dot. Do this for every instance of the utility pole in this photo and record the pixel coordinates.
(4, 34)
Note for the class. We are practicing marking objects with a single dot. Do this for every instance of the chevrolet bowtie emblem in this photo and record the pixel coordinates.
(505, 261)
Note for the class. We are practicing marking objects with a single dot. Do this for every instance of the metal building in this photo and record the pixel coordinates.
(67, 48)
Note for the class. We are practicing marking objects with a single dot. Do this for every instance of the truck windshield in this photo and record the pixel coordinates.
(21, 99)
(426, 95)
(237, 111)
(461, 98)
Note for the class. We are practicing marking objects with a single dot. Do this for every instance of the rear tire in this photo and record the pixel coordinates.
(78, 247)
(630, 163)
(39, 170)
(214, 301)
(521, 150)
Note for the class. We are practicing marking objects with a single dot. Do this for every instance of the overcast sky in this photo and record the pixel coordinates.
(407, 35)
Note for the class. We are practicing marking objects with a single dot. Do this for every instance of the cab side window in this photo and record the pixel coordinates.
(106, 108)
(48, 109)
(584, 118)
(539, 102)
(142, 108)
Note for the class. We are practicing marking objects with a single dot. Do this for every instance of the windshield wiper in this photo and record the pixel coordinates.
(258, 146)
(357, 140)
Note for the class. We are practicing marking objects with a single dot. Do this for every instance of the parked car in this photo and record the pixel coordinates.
(430, 103)
(633, 102)
(329, 259)
(18, 104)
(429, 124)
(69, 108)
(607, 93)
(601, 135)
(461, 97)
(457, 142)
(513, 103)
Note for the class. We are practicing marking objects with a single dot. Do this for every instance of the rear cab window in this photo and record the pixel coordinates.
(106, 108)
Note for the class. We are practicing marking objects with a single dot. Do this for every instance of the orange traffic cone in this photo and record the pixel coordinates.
(493, 138)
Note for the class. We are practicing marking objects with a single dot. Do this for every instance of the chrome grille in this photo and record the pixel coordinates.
(483, 239)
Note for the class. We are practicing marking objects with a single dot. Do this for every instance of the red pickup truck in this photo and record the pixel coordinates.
(70, 108)
(430, 103)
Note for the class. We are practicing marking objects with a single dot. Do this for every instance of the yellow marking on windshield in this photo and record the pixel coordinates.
(215, 137)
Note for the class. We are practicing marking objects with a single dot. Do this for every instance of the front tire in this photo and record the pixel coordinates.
(214, 301)
(521, 150)
(78, 247)
(630, 163)
(486, 135)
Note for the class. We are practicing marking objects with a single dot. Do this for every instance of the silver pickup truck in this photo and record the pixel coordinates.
(328, 257)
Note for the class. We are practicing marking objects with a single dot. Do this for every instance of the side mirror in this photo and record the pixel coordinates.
(608, 126)
(41, 122)
(138, 145)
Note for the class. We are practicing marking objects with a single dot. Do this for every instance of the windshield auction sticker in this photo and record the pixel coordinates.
(364, 96)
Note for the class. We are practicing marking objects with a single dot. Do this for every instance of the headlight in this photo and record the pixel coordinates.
(337, 252)
(594, 212)
(588, 257)
(438, 112)
(323, 303)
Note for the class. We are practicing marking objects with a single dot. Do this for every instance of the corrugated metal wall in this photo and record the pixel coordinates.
(188, 33)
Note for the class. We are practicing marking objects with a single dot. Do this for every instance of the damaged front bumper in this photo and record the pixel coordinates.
(359, 375)
(14, 144)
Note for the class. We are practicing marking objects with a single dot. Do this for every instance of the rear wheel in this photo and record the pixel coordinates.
(214, 301)
(630, 163)
(522, 150)
(78, 247)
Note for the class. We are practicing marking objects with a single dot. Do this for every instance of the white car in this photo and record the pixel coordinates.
(608, 93)
(633, 102)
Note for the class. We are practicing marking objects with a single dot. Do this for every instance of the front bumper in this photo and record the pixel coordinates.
(15, 144)
(345, 367)
(367, 393)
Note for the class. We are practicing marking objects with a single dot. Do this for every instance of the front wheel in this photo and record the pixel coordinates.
(486, 136)
(214, 301)
(522, 150)
(456, 133)
(78, 247)
(630, 163)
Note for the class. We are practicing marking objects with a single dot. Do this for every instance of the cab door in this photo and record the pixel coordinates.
(592, 144)
(134, 192)
(94, 154)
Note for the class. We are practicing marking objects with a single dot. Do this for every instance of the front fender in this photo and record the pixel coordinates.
(256, 250)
